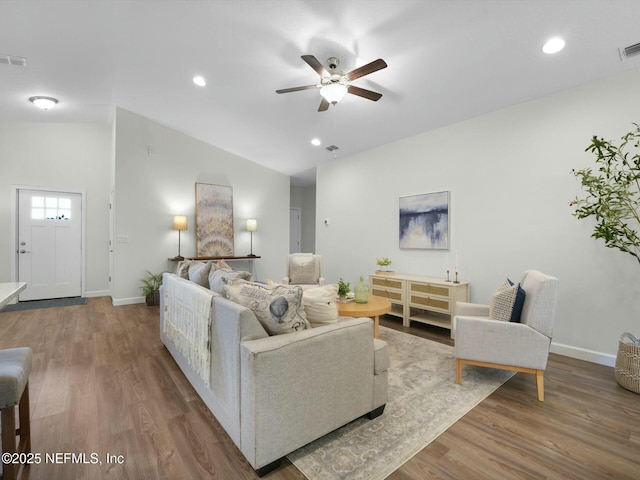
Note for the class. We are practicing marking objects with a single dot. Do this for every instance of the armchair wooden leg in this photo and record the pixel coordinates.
(540, 384)
(9, 441)
(458, 371)
(24, 414)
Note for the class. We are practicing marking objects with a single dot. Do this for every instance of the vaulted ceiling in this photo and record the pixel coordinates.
(447, 61)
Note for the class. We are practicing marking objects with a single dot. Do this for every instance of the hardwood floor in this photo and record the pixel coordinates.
(102, 383)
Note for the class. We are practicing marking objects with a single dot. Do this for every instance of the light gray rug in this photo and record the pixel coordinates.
(424, 401)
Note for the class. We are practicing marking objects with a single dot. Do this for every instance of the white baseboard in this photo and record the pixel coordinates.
(116, 302)
(97, 293)
(584, 354)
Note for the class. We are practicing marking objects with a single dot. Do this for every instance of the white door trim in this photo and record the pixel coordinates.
(14, 227)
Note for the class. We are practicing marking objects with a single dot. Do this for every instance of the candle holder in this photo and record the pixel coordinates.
(447, 280)
(456, 280)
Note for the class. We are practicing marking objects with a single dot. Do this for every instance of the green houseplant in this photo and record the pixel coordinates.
(613, 199)
(613, 192)
(343, 288)
(151, 288)
(383, 263)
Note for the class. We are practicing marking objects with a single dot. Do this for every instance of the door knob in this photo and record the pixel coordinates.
(24, 251)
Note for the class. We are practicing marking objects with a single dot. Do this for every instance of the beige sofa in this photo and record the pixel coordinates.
(272, 394)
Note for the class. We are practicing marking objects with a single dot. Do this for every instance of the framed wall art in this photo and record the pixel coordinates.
(214, 220)
(424, 221)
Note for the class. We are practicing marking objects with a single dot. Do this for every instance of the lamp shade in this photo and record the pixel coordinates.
(252, 225)
(180, 222)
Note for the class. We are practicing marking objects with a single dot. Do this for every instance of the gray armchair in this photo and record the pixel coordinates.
(521, 347)
(304, 269)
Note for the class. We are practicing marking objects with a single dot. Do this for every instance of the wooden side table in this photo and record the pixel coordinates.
(375, 307)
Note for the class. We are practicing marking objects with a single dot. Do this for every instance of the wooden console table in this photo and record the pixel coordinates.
(10, 290)
(420, 299)
(248, 257)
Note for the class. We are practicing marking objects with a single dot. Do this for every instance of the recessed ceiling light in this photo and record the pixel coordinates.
(553, 45)
(200, 81)
(45, 103)
(316, 142)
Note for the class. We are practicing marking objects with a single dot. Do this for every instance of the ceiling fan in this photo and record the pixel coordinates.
(335, 84)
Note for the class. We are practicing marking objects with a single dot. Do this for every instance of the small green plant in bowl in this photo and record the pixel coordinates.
(383, 263)
(343, 288)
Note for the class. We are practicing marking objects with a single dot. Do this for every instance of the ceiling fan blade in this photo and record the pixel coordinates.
(362, 92)
(366, 69)
(324, 105)
(315, 64)
(296, 89)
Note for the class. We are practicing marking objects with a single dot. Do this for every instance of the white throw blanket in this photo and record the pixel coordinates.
(187, 322)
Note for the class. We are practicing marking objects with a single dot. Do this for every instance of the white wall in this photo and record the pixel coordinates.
(305, 199)
(509, 174)
(59, 156)
(156, 169)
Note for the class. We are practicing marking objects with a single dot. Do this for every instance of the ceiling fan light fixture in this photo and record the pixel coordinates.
(45, 103)
(333, 92)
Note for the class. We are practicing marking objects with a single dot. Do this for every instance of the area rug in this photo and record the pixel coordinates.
(56, 302)
(424, 401)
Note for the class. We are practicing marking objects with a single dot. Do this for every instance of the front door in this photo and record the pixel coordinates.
(49, 244)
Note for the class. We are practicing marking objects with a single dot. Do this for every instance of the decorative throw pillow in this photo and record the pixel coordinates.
(320, 305)
(507, 301)
(278, 308)
(223, 264)
(303, 269)
(199, 273)
(218, 278)
(182, 269)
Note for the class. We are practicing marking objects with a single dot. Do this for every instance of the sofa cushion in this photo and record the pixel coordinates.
(507, 301)
(223, 264)
(320, 304)
(182, 269)
(304, 269)
(199, 273)
(218, 278)
(278, 308)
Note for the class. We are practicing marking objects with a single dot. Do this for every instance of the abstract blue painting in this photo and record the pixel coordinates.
(424, 221)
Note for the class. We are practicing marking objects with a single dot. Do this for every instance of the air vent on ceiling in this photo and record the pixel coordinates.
(12, 60)
(630, 51)
(332, 148)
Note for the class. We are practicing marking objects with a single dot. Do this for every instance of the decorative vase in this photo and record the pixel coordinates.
(362, 291)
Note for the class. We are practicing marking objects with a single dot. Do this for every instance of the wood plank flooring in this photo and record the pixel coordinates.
(103, 383)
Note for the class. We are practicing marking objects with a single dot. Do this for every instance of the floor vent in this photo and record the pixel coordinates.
(630, 51)
(12, 60)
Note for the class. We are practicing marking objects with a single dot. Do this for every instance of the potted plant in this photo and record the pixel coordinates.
(613, 199)
(383, 263)
(151, 288)
(343, 289)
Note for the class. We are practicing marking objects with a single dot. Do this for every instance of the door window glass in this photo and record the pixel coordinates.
(50, 208)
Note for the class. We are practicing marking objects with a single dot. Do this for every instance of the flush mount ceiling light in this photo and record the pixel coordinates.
(553, 45)
(316, 142)
(200, 81)
(45, 103)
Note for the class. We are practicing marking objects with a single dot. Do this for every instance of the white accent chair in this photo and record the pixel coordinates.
(521, 347)
(304, 269)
